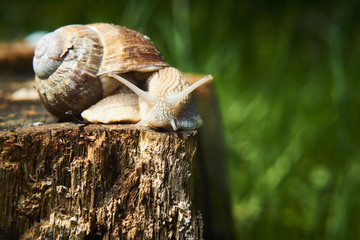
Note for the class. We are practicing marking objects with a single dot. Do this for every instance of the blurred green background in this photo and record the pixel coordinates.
(287, 81)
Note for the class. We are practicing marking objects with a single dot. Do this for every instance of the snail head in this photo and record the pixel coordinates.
(164, 107)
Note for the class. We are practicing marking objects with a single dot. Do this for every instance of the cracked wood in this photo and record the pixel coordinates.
(98, 181)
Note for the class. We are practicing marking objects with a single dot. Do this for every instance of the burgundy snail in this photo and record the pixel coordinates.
(108, 73)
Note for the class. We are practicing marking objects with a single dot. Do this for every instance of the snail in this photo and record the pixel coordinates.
(107, 73)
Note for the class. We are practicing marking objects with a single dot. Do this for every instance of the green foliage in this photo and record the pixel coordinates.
(287, 80)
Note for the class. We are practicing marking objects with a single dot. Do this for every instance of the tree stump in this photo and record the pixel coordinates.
(63, 181)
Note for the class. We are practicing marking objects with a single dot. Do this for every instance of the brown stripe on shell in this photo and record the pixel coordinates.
(126, 50)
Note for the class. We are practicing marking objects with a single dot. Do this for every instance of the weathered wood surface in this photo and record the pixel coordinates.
(109, 181)
(23, 117)
(16, 56)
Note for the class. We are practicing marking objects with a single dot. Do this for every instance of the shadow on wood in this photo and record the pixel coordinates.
(211, 189)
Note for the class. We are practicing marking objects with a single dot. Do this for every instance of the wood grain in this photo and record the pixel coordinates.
(106, 181)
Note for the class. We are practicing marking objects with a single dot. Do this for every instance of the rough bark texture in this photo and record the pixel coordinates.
(100, 181)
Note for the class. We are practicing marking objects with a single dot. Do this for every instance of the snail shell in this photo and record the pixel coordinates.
(109, 73)
(65, 67)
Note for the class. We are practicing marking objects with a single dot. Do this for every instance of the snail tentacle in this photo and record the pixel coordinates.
(176, 98)
(147, 97)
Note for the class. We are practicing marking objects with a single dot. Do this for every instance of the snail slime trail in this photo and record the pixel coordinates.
(98, 71)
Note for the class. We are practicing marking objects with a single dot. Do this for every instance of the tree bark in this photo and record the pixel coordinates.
(66, 180)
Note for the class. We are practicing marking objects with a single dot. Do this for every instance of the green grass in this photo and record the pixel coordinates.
(290, 135)
(287, 80)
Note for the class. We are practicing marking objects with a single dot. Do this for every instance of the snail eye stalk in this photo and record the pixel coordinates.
(147, 97)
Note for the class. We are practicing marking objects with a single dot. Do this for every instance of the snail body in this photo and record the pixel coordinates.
(108, 73)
